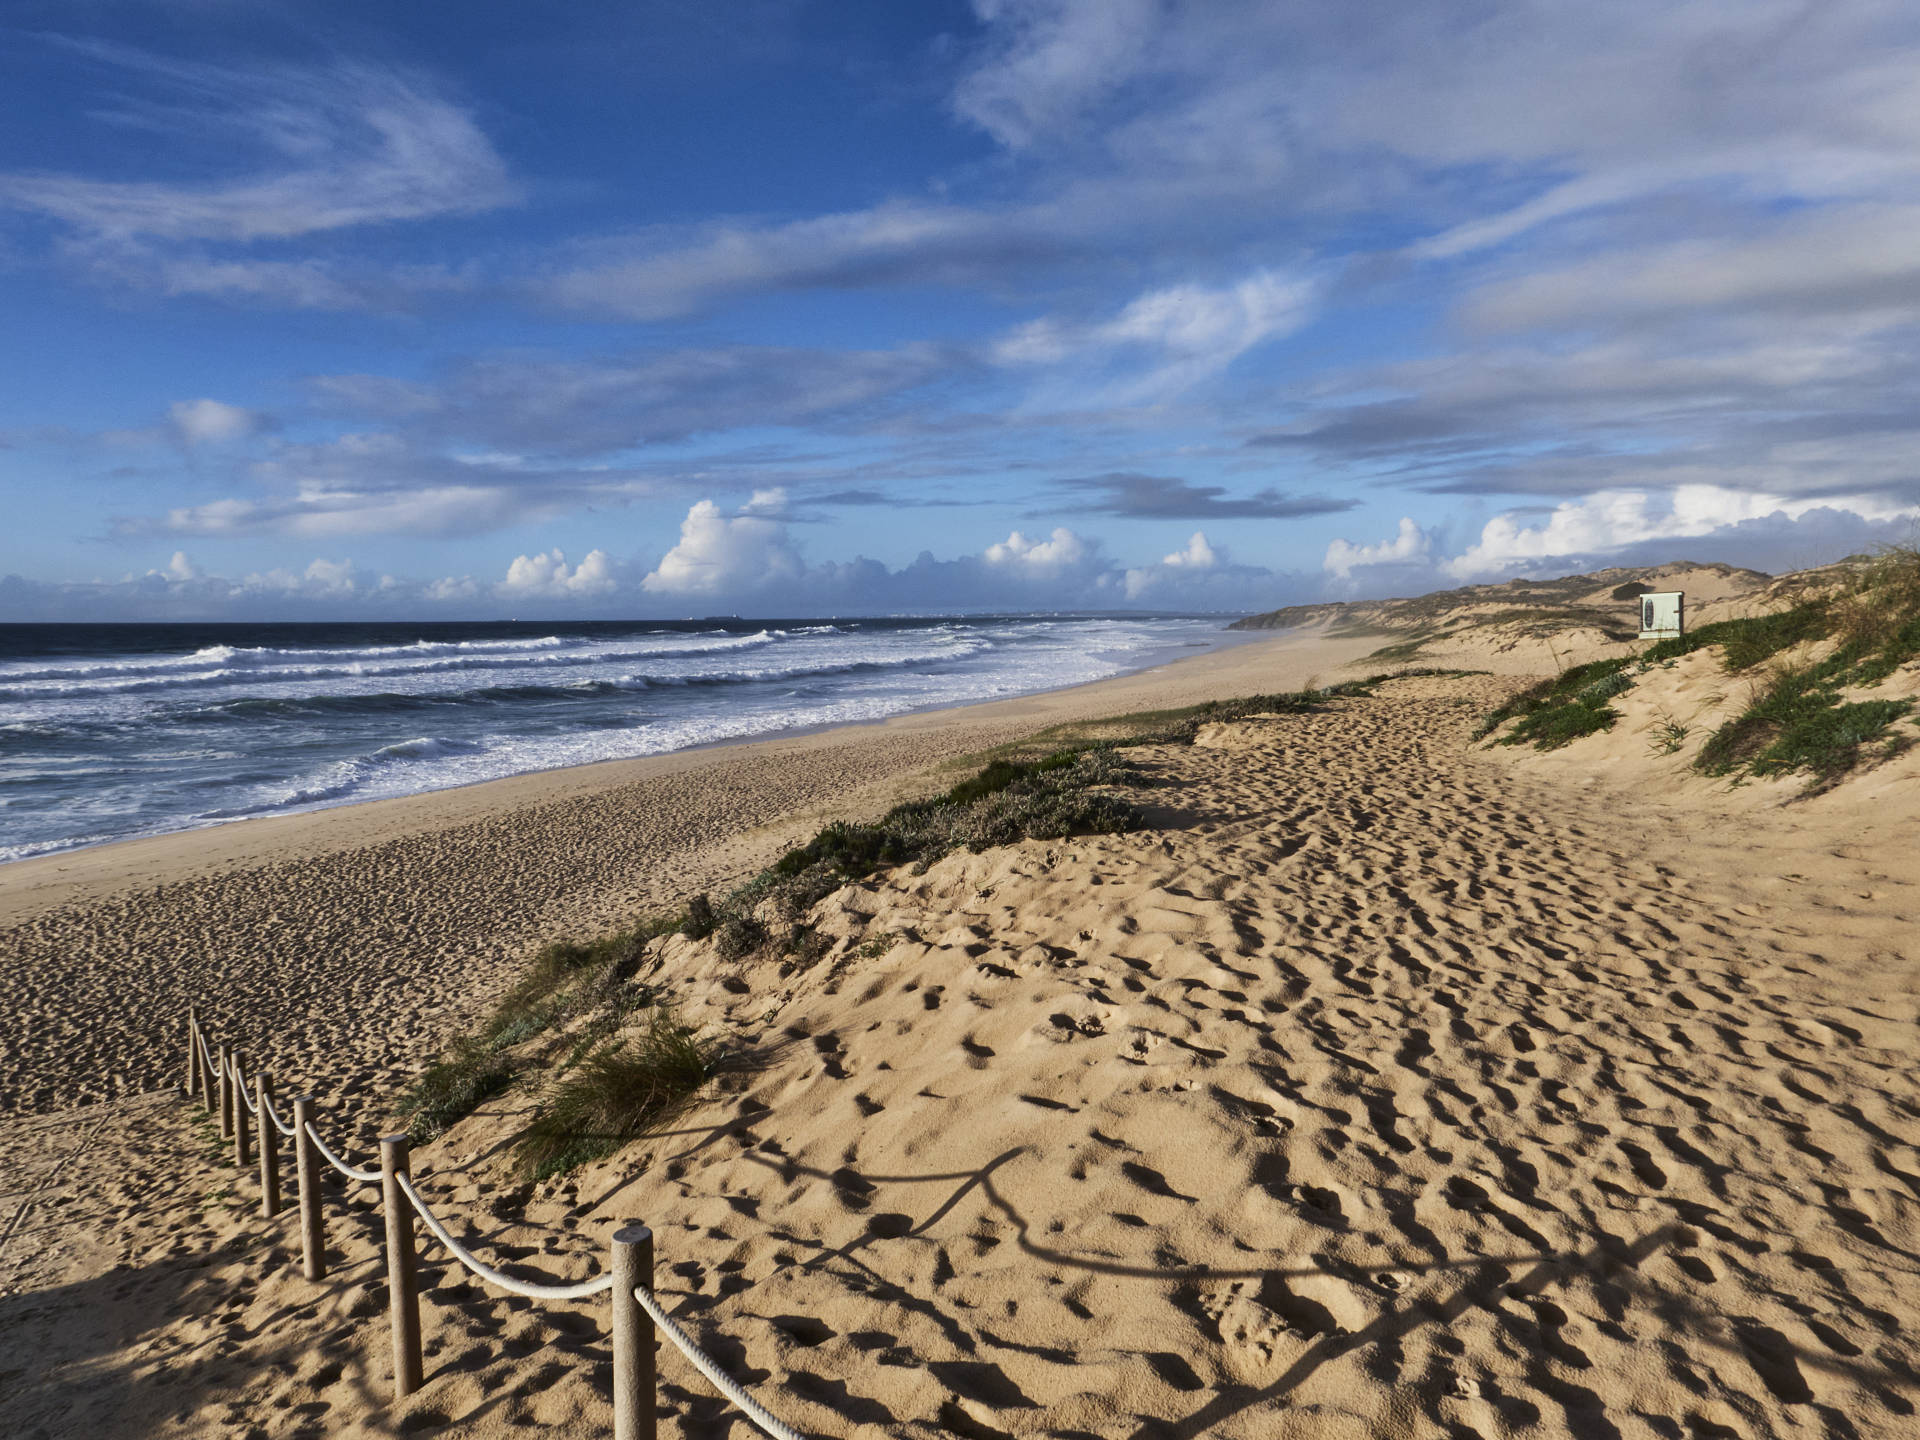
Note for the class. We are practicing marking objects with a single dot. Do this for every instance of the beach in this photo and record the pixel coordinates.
(1383, 1084)
(354, 935)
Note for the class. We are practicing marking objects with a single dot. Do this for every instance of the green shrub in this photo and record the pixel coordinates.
(1558, 711)
(615, 1095)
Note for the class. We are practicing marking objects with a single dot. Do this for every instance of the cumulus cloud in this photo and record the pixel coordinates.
(546, 577)
(1409, 545)
(728, 554)
(1192, 558)
(1609, 521)
(451, 590)
(1061, 551)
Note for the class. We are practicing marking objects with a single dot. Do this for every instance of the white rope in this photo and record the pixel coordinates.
(365, 1177)
(705, 1364)
(697, 1357)
(240, 1084)
(274, 1115)
(487, 1272)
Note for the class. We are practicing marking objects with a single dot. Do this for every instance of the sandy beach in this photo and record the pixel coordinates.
(1383, 1085)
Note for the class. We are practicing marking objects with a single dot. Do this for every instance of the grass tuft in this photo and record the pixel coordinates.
(614, 1095)
(452, 1088)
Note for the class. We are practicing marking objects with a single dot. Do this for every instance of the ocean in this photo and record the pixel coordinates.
(113, 731)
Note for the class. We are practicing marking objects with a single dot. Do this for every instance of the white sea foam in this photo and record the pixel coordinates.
(96, 748)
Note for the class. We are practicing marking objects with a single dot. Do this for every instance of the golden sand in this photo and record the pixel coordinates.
(1385, 1085)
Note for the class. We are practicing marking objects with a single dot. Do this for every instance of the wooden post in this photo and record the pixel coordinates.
(306, 1164)
(403, 1301)
(208, 1087)
(224, 1078)
(269, 1147)
(242, 1135)
(193, 1055)
(633, 1336)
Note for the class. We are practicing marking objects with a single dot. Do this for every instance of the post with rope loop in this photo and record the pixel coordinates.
(306, 1164)
(242, 1135)
(208, 1099)
(269, 1146)
(223, 1077)
(634, 1373)
(193, 1054)
(403, 1300)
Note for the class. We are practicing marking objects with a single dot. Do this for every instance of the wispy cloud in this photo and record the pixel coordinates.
(309, 150)
(340, 145)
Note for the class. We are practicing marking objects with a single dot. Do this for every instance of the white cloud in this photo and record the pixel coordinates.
(1408, 545)
(354, 145)
(546, 577)
(662, 273)
(210, 422)
(331, 577)
(181, 568)
(1049, 60)
(1196, 555)
(1182, 334)
(1059, 552)
(314, 512)
(719, 554)
(1611, 520)
(452, 590)
(1193, 558)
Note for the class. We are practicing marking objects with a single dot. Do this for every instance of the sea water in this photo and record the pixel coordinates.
(112, 731)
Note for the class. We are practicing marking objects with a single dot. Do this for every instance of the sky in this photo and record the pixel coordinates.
(435, 311)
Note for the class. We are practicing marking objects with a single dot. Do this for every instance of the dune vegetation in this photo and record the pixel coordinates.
(1805, 712)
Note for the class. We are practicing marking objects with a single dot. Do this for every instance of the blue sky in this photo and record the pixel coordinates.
(666, 309)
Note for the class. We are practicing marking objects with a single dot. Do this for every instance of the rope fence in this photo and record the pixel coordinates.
(218, 1078)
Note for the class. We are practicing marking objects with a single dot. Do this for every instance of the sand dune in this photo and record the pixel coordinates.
(1385, 1086)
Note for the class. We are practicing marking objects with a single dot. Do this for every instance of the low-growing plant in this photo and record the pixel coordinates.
(452, 1088)
(614, 1095)
(563, 980)
(1668, 735)
(1796, 718)
(874, 946)
(1558, 711)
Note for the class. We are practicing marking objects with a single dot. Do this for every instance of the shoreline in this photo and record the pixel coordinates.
(358, 937)
(29, 886)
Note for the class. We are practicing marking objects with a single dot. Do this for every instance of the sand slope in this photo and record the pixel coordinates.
(1385, 1087)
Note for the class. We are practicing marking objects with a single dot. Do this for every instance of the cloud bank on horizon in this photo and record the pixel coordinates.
(334, 311)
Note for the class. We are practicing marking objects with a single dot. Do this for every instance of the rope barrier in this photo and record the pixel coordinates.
(240, 1084)
(632, 1258)
(706, 1365)
(486, 1272)
(281, 1125)
(365, 1177)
